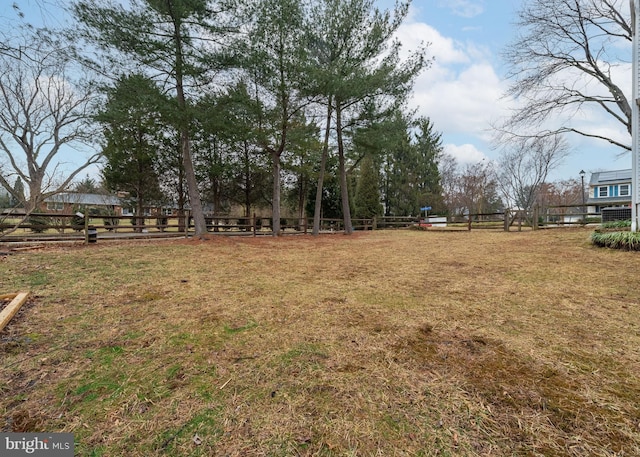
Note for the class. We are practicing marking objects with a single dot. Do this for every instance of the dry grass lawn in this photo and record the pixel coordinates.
(391, 343)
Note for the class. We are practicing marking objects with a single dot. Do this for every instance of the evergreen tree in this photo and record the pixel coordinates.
(5, 199)
(133, 132)
(276, 66)
(330, 207)
(427, 189)
(230, 163)
(88, 185)
(359, 63)
(300, 167)
(411, 157)
(176, 41)
(367, 198)
(17, 194)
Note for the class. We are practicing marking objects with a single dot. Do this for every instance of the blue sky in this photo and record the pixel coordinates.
(463, 91)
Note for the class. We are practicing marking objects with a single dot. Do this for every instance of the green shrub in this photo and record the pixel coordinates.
(77, 223)
(628, 241)
(38, 224)
(110, 222)
(617, 224)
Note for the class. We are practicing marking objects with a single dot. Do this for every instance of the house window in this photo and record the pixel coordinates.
(603, 191)
(625, 190)
(55, 206)
(127, 212)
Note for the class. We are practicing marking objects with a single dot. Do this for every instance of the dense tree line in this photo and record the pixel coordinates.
(211, 105)
(261, 104)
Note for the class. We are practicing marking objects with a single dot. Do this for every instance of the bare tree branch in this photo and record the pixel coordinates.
(43, 116)
(525, 165)
(561, 64)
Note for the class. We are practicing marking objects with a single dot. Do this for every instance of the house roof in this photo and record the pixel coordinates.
(610, 177)
(77, 198)
(603, 201)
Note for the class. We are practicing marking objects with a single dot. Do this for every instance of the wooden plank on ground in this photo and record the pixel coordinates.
(27, 248)
(8, 296)
(12, 308)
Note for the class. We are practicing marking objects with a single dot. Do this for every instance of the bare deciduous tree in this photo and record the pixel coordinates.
(448, 168)
(563, 62)
(471, 189)
(558, 199)
(561, 193)
(478, 188)
(525, 165)
(43, 116)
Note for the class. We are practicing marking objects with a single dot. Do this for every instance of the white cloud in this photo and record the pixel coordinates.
(464, 102)
(465, 154)
(461, 92)
(445, 50)
(464, 8)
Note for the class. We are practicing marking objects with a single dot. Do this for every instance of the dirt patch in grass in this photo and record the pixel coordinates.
(384, 343)
(528, 400)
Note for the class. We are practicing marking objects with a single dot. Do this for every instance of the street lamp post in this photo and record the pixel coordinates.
(584, 209)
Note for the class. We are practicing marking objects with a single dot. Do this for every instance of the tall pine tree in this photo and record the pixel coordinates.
(133, 133)
(176, 41)
(360, 63)
(367, 198)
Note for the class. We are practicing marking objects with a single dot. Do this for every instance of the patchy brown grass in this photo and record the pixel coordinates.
(395, 343)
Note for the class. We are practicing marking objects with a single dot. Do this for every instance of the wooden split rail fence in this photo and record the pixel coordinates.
(70, 227)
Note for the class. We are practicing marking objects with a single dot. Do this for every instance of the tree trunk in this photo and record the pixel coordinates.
(247, 180)
(181, 202)
(275, 157)
(199, 221)
(31, 203)
(344, 190)
(139, 213)
(323, 164)
(302, 200)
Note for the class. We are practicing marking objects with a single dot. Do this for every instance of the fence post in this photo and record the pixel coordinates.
(520, 221)
(374, 223)
(254, 223)
(506, 219)
(536, 215)
(469, 223)
(86, 226)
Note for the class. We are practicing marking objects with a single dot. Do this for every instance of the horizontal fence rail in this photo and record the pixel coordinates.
(47, 226)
